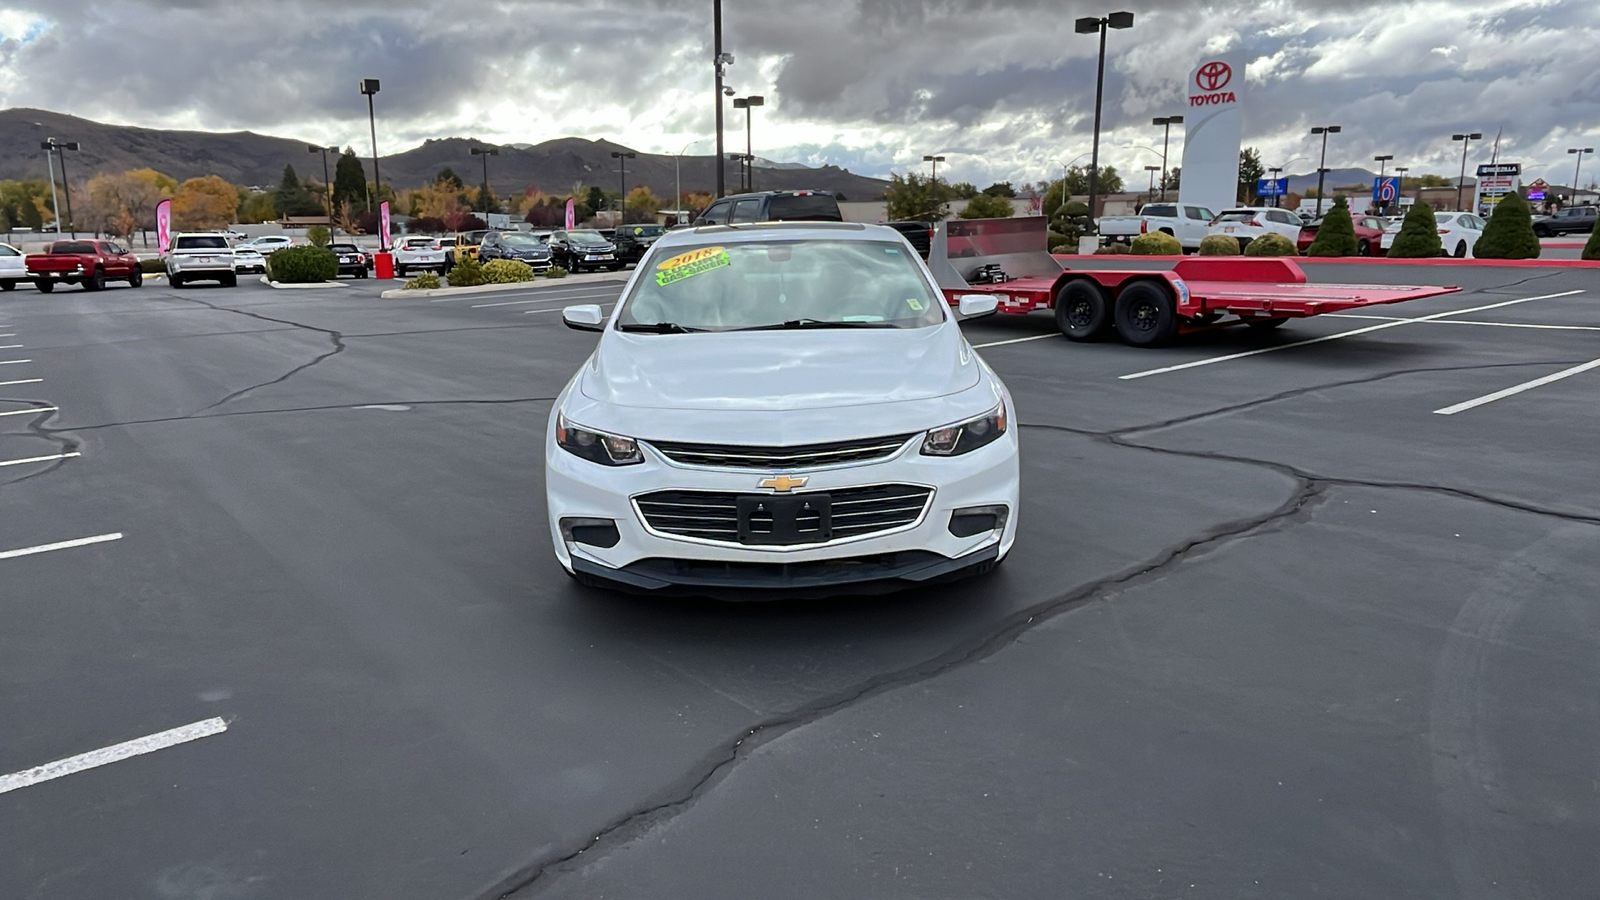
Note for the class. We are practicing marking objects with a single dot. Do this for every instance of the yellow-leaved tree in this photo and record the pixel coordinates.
(204, 204)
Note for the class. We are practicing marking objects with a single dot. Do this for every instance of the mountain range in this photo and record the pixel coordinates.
(246, 158)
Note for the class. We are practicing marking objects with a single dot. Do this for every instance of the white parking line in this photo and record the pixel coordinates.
(21, 381)
(24, 412)
(546, 300)
(12, 334)
(1466, 322)
(1517, 389)
(62, 545)
(1037, 337)
(36, 459)
(11, 347)
(14, 362)
(114, 753)
(1334, 337)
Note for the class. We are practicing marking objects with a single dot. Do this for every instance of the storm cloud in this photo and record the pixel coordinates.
(1004, 90)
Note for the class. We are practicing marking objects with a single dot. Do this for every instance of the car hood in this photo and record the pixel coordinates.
(779, 370)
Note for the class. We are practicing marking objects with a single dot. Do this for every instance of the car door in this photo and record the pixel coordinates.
(12, 263)
(1196, 224)
(716, 214)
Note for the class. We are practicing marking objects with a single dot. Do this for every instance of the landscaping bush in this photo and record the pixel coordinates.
(153, 266)
(1509, 234)
(555, 272)
(1591, 250)
(1337, 234)
(427, 281)
(1419, 235)
(1060, 243)
(508, 271)
(304, 264)
(1113, 249)
(1271, 244)
(1071, 220)
(467, 273)
(319, 235)
(1219, 245)
(1157, 243)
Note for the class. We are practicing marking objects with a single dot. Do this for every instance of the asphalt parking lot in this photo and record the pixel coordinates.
(1303, 613)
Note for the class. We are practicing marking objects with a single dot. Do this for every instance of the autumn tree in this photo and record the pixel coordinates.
(641, 206)
(23, 204)
(123, 204)
(204, 204)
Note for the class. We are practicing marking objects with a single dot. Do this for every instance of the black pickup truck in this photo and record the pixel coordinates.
(919, 234)
(1572, 220)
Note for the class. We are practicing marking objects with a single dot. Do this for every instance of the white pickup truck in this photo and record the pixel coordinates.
(1188, 223)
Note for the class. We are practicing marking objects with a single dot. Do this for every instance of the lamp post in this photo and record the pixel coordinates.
(1166, 123)
(677, 167)
(1466, 141)
(485, 153)
(49, 149)
(721, 61)
(1151, 194)
(1383, 205)
(933, 186)
(66, 186)
(1091, 25)
(622, 157)
(1576, 170)
(1322, 167)
(327, 183)
(747, 104)
(369, 86)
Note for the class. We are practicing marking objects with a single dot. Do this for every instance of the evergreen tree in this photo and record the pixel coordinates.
(349, 182)
(447, 176)
(1336, 236)
(1591, 250)
(292, 198)
(1509, 234)
(1419, 234)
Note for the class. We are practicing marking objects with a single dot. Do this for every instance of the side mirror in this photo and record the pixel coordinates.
(974, 306)
(584, 318)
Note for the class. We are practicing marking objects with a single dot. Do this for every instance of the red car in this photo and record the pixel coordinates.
(1369, 234)
(89, 263)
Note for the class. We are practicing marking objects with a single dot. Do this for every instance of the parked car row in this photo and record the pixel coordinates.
(1458, 231)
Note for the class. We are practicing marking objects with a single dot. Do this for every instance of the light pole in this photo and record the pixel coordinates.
(1277, 199)
(1383, 205)
(485, 153)
(747, 104)
(1166, 123)
(721, 61)
(1151, 194)
(1466, 141)
(1576, 170)
(933, 185)
(1322, 167)
(622, 157)
(1091, 25)
(66, 187)
(327, 183)
(369, 86)
(49, 148)
(677, 167)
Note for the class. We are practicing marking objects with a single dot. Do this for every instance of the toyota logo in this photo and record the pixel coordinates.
(1213, 76)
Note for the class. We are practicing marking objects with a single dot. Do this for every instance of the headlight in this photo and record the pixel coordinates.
(965, 437)
(595, 446)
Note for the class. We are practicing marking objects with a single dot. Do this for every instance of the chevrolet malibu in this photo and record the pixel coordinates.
(781, 409)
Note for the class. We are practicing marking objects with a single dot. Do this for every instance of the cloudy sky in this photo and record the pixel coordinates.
(1003, 88)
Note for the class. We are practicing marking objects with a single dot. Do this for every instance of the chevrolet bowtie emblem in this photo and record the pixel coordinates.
(783, 484)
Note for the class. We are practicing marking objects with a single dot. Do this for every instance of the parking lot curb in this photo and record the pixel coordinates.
(606, 278)
(290, 287)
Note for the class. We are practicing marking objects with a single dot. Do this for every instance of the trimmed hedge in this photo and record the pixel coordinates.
(467, 273)
(1509, 234)
(508, 271)
(319, 235)
(1157, 243)
(153, 266)
(1059, 242)
(1419, 235)
(555, 272)
(1271, 244)
(1336, 236)
(1219, 245)
(1591, 250)
(303, 264)
(427, 281)
(1113, 249)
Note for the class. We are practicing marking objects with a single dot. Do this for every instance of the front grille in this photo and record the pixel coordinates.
(818, 516)
(802, 456)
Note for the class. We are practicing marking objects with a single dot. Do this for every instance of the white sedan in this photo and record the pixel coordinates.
(13, 267)
(1250, 222)
(782, 409)
(265, 245)
(1458, 233)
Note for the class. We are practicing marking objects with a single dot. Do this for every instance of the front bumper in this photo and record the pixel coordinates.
(643, 559)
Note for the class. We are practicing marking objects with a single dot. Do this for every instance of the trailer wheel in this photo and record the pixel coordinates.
(1083, 311)
(1146, 315)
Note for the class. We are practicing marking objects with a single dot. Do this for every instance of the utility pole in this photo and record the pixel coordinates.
(721, 61)
(1322, 166)
(1090, 25)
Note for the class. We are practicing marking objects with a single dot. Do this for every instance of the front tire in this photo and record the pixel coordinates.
(136, 279)
(46, 287)
(1145, 315)
(1083, 312)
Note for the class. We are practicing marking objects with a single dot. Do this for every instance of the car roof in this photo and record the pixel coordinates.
(762, 231)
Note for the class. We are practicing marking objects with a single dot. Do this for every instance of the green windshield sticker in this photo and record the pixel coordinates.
(688, 265)
(915, 304)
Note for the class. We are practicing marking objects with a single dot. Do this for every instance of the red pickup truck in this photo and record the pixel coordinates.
(89, 263)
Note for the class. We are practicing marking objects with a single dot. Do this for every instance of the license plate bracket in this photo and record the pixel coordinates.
(774, 520)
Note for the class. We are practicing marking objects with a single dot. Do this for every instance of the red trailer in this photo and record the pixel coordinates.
(1145, 307)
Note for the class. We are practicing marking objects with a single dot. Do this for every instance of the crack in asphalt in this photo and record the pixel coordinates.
(353, 405)
(336, 337)
(35, 426)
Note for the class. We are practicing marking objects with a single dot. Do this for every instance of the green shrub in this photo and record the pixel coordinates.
(1591, 250)
(303, 264)
(555, 272)
(1157, 243)
(427, 281)
(1509, 234)
(508, 271)
(1059, 243)
(153, 266)
(1337, 234)
(1272, 244)
(1419, 234)
(467, 273)
(1219, 245)
(1071, 220)
(1113, 249)
(319, 235)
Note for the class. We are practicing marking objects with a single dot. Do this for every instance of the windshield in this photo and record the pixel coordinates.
(520, 240)
(804, 207)
(586, 237)
(647, 230)
(1241, 216)
(202, 242)
(784, 284)
(344, 248)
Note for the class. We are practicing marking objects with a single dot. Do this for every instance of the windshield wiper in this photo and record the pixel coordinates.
(794, 324)
(657, 328)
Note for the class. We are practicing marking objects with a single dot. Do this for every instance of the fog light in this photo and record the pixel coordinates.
(975, 520)
(600, 533)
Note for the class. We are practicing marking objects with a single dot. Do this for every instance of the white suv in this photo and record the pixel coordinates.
(205, 256)
(412, 253)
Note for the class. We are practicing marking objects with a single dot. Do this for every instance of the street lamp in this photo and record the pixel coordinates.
(1166, 123)
(720, 61)
(935, 160)
(933, 189)
(327, 182)
(1322, 167)
(1091, 25)
(622, 157)
(51, 144)
(485, 153)
(1575, 151)
(49, 149)
(1383, 205)
(677, 167)
(747, 104)
(369, 86)
(1466, 141)
(1401, 171)
(1151, 194)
